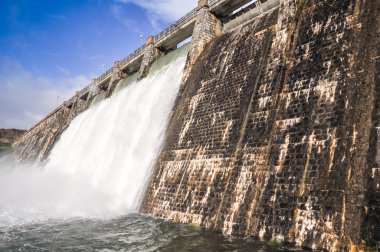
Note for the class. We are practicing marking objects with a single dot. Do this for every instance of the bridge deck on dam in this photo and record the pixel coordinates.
(176, 33)
(165, 41)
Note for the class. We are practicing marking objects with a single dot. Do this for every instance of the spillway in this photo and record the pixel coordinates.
(101, 164)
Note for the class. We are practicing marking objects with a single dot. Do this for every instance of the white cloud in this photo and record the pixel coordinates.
(120, 14)
(26, 98)
(163, 10)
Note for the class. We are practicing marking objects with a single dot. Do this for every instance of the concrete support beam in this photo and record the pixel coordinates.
(226, 7)
(202, 4)
(254, 11)
(150, 55)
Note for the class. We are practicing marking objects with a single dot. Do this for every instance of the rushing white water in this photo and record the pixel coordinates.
(101, 164)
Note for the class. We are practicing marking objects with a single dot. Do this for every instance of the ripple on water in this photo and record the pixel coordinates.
(129, 233)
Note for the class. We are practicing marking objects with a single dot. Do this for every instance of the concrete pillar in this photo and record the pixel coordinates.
(117, 75)
(94, 89)
(66, 104)
(202, 3)
(150, 55)
(207, 27)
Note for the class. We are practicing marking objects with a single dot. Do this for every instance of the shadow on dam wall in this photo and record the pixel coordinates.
(275, 131)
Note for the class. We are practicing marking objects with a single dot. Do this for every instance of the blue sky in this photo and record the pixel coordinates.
(51, 48)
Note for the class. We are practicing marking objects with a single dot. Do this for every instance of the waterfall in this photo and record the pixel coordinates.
(102, 162)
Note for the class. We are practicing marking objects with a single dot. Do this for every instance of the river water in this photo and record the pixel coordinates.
(126, 233)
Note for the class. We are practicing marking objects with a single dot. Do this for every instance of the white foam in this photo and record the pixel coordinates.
(102, 162)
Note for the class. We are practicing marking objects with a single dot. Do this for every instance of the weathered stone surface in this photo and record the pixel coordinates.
(207, 27)
(274, 133)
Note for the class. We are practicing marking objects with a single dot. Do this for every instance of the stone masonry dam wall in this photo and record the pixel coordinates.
(275, 133)
(275, 130)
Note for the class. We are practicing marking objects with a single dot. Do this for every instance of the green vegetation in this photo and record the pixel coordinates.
(5, 147)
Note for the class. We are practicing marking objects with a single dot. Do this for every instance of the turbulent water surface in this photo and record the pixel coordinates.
(128, 233)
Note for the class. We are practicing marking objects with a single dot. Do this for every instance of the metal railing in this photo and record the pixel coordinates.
(160, 36)
(169, 30)
(39, 123)
(85, 90)
(104, 75)
(133, 55)
(174, 27)
(68, 102)
(124, 62)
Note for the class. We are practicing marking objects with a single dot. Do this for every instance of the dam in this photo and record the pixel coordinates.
(273, 131)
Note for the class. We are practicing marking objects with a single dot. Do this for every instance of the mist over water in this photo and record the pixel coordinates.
(101, 164)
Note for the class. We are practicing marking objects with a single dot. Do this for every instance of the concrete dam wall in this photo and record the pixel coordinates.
(275, 130)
